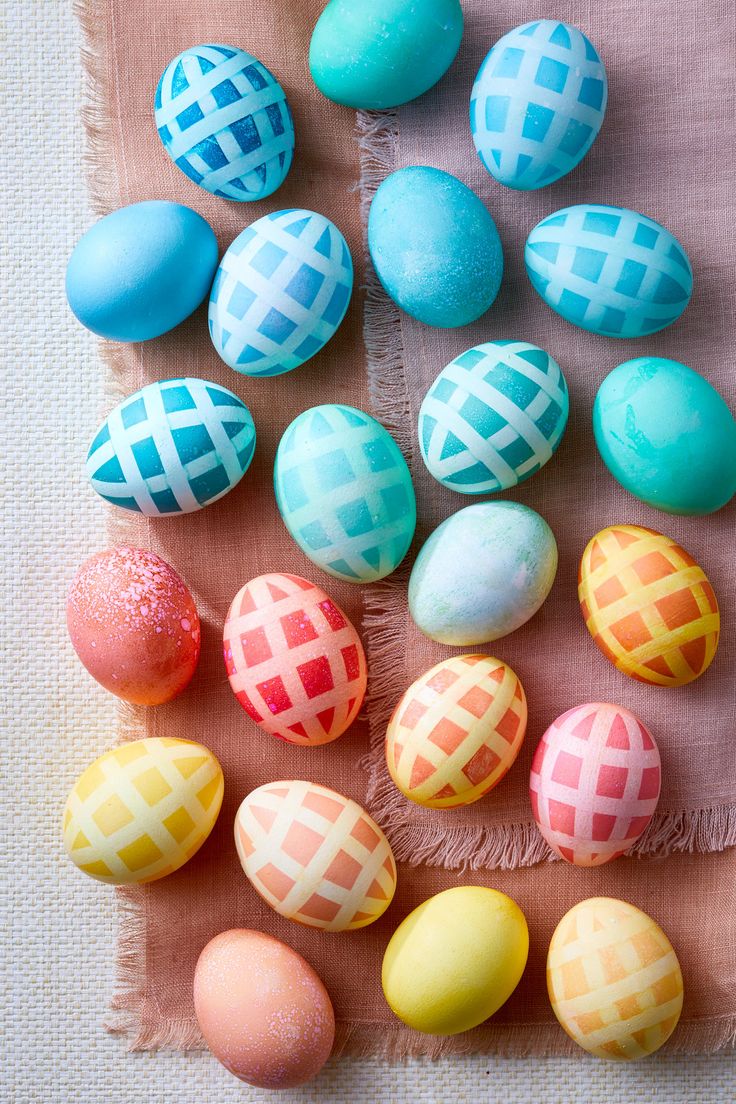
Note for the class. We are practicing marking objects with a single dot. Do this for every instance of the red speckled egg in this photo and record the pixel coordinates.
(134, 625)
(262, 1009)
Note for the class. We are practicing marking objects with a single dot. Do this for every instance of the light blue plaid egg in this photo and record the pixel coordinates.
(537, 104)
(172, 448)
(280, 292)
(609, 270)
(345, 493)
(224, 120)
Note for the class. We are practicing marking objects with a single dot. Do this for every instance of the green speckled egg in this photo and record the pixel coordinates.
(345, 493)
(482, 573)
(667, 436)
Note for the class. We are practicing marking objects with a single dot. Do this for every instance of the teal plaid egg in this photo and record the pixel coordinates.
(172, 448)
(280, 292)
(345, 493)
(609, 270)
(493, 417)
(224, 120)
(537, 103)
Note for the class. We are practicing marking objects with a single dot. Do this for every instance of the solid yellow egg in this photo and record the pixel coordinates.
(455, 960)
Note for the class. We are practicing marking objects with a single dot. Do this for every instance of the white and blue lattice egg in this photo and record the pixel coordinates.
(172, 448)
(280, 293)
(493, 417)
(537, 104)
(224, 121)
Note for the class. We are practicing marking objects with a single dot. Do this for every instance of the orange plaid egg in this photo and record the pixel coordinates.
(648, 605)
(613, 979)
(456, 731)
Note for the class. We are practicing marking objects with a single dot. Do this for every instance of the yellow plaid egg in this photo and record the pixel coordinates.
(613, 979)
(142, 810)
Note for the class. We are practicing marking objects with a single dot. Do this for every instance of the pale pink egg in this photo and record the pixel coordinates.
(134, 625)
(262, 1009)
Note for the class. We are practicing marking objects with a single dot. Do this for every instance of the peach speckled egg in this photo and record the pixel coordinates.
(613, 979)
(315, 856)
(594, 783)
(456, 731)
(648, 605)
(134, 625)
(262, 1009)
(295, 662)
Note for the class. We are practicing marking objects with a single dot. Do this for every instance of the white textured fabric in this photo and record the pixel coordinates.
(58, 938)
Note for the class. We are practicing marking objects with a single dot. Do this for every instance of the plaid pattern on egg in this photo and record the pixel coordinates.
(493, 417)
(172, 447)
(609, 270)
(537, 103)
(280, 293)
(224, 120)
(345, 493)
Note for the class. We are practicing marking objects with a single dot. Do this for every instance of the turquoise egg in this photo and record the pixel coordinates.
(434, 247)
(382, 53)
(493, 417)
(537, 104)
(345, 493)
(666, 435)
(482, 573)
(609, 270)
(141, 270)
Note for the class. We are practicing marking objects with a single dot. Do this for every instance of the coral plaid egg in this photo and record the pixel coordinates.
(595, 783)
(613, 979)
(648, 605)
(315, 856)
(456, 731)
(294, 660)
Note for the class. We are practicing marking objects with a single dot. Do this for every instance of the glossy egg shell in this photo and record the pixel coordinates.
(648, 606)
(614, 980)
(595, 782)
(315, 856)
(142, 810)
(456, 731)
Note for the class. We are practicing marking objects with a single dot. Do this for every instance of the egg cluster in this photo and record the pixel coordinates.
(490, 420)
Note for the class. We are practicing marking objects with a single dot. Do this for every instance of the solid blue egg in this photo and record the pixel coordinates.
(141, 270)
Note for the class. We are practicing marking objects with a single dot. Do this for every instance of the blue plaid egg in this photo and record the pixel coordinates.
(345, 493)
(224, 120)
(172, 448)
(609, 270)
(280, 292)
(537, 103)
(493, 417)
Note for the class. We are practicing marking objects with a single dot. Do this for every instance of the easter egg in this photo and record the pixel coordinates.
(666, 435)
(294, 660)
(141, 270)
(648, 606)
(613, 979)
(262, 1009)
(224, 121)
(345, 493)
(456, 731)
(493, 417)
(455, 960)
(537, 103)
(609, 270)
(134, 625)
(172, 448)
(315, 856)
(385, 53)
(142, 810)
(434, 247)
(280, 292)
(482, 573)
(594, 783)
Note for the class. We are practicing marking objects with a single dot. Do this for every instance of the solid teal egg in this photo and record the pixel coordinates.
(666, 435)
